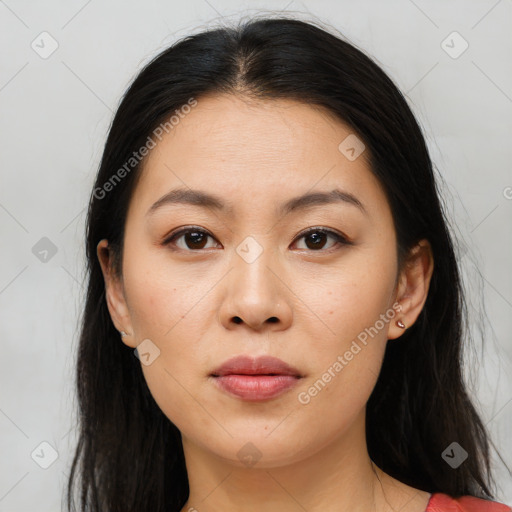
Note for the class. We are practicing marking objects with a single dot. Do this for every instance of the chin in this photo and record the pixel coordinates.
(259, 450)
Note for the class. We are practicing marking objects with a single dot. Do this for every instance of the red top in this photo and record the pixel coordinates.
(443, 503)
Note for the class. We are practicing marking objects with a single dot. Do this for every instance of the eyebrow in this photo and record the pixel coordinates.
(207, 200)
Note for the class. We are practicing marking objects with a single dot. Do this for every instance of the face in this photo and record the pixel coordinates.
(313, 284)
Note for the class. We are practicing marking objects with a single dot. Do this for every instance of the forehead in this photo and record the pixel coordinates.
(264, 131)
(248, 150)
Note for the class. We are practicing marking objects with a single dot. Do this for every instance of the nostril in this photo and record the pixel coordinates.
(272, 320)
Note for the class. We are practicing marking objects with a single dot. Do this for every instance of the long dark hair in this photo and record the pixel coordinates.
(129, 455)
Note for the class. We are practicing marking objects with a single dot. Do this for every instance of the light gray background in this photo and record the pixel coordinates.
(55, 113)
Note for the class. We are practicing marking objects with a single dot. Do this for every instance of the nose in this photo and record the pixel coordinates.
(256, 294)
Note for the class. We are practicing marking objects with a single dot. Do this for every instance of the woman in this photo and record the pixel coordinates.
(265, 234)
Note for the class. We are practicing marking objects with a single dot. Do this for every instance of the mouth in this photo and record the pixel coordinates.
(256, 379)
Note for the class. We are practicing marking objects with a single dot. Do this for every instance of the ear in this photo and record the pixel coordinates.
(413, 286)
(114, 293)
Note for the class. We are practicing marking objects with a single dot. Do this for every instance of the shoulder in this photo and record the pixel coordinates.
(443, 503)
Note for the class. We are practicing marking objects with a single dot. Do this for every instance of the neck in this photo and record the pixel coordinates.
(341, 475)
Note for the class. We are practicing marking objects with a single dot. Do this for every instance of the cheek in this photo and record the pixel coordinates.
(161, 306)
(353, 316)
(161, 295)
(173, 315)
(351, 298)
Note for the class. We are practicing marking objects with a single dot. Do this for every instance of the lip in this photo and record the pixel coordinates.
(256, 379)
(263, 365)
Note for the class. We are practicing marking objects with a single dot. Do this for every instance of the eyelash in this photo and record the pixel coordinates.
(340, 239)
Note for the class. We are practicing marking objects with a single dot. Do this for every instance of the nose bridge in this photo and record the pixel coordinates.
(253, 260)
(254, 294)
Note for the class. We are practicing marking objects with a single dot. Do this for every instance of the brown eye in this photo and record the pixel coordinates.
(316, 239)
(193, 239)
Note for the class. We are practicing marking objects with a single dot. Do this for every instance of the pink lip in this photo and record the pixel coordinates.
(256, 379)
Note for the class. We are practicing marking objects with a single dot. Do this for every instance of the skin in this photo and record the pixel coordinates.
(256, 155)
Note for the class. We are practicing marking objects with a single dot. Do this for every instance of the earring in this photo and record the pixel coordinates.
(123, 334)
(400, 324)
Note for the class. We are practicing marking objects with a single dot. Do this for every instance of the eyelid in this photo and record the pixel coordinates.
(327, 231)
(339, 237)
(182, 231)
